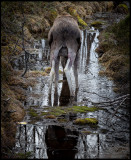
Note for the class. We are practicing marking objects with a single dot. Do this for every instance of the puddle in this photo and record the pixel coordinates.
(50, 139)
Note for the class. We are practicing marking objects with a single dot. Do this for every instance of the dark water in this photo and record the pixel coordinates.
(50, 139)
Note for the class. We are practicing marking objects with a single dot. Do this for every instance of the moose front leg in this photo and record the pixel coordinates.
(68, 76)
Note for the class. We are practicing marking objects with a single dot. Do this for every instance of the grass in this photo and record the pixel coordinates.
(114, 43)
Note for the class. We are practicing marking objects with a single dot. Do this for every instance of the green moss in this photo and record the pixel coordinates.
(47, 70)
(62, 120)
(73, 12)
(50, 117)
(33, 113)
(83, 109)
(57, 111)
(53, 14)
(81, 22)
(123, 6)
(96, 24)
(26, 155)
(80, 121)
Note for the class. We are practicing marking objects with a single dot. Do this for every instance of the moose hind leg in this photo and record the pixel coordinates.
(63, 63)
(52, 74)
(56, 81)
(68, 76)
(76, 78)
(57, 72)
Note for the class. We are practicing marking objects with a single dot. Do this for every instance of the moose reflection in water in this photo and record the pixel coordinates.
(64, 98)
(61, 142)
(47, 141)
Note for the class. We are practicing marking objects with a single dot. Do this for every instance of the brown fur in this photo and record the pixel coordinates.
(65, 29)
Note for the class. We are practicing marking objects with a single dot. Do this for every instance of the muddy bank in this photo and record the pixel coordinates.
(114, 56)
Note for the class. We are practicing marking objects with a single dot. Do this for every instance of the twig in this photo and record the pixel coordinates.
(23, 45)
(112, 101)
(118, 107)
(98, 95)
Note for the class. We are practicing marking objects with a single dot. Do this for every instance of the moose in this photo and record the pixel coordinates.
(64, 40)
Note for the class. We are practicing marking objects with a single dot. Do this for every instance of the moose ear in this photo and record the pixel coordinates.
(50, 38)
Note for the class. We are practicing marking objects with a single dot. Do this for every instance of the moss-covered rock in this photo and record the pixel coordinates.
(89, 121)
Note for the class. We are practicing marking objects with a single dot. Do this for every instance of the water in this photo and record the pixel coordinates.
(50, 139)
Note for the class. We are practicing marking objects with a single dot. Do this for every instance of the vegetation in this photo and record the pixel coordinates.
(89, 121)
(96, 24)
(114, 46)
(59, 110)
(33, 113)
(74, 13)
(122, 8)
(26, 155)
